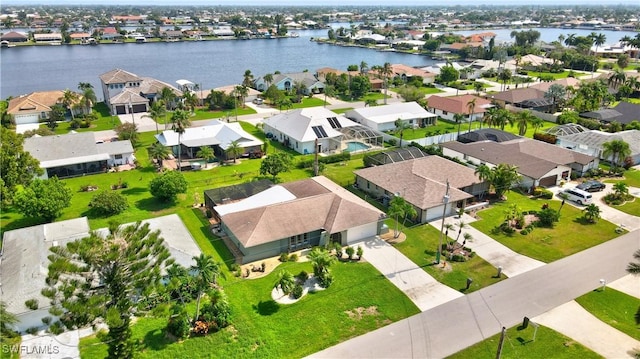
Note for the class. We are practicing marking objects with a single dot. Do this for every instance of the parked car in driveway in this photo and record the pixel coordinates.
(576, 195)
(591, 186)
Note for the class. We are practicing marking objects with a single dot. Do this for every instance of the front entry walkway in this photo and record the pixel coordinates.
(420, 287)
(489, 249)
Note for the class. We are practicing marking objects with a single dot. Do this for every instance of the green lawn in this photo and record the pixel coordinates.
(423, 89)
(421, 245)
(556, 76)
(570, 235)
(262, 328)
(632, 177)
(632, 208)
(342, 110)
(530, 130)
(615, 308)
(442, 126)
(309, 102)
(519, 344)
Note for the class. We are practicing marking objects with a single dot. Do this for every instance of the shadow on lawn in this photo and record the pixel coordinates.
(267, 308)
(156, 340)
(134, 190)
(152, 204)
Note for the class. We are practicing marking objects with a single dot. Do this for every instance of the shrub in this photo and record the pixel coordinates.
(545, 137)
(350, 252)
(507, 229)
(32, 330)
(341, 157)
(325, 280)
(167, 186)
(542, 193)
(547, 217)
(392, 142)
(524, 232)
(360, 252)
(293, 257)
(178, 324)
(56, 311)
(458, 258)
(108, 203)
(56, 328)
(46, 320)
(283, 257)
(297, 292)
(31, 304)
(303, 276)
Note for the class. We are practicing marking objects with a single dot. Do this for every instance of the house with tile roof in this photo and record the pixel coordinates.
(406, 73)
(423, 183)
(447, 107)
(539, 163)
(294, 216)
(36, 106)
(286, 82)
(77, 154)
(215, 134)
(125, 92)
(383, 118)
(14, 36)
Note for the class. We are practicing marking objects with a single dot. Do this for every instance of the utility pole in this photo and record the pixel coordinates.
(445, 200)
(504, 331)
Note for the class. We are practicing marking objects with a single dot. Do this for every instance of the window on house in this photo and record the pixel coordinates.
(118, 157)
(368, 184)
(444, 113)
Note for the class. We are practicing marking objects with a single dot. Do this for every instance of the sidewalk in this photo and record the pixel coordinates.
(574, 321)
(419, 286)
(628, 284)
(487, 248)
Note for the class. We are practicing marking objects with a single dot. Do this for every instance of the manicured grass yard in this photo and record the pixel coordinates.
(421, 245)
(615, 308)
(570, 235)
(342, 110)
(440, 127)
(632, 208)
(308, 102)
(530, 130)
(556, 76)
(262, 328)
(519, 344)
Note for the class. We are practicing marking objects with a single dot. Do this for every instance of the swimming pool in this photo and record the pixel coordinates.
(354, 146)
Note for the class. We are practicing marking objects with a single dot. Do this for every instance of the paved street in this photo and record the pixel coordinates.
(462, 322)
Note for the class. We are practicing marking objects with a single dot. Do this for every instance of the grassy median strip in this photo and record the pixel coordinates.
(615, 308)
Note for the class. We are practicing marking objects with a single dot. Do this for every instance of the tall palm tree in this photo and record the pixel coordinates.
(570, 40)
(483, 172)
(88, 95)
(504, 75)
(598, 40)
(268, 79)
(69, 99)
(179, 124)
(616, 149)
(206, 271)
(400, 127)
(363, 67)
(156, 112)
(386, 71)
(618, 77)
(158, 152)
(206, 153)
(242, 92)
(471, 107)
(399, 207)
(504, 117)
(523, 118)
(247, 80)
(234, 150)
(536, 123)
(167, 96)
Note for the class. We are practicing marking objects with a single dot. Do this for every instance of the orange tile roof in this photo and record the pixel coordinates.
(458, 104)
(34, 102)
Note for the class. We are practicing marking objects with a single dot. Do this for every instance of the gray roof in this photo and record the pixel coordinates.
(422, 181)
(115, 147)
(486, 134)
(127, 97)
(152, 86)
(596, 138)
(24, 262)
(602, 115)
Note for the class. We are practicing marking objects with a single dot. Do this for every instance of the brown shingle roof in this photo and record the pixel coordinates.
(401, 69)
(519, 95)
(422, 181)
(457, 104)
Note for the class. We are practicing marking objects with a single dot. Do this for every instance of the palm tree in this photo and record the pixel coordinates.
(598, 40)
(247, 80)
(190, 100)
(8, 319)
(234, 149)
(286, 281)
(478, 86)
(242, 92)
(69, 99)
(158, 152)
(564, 197)
(618, 77)
(504, 117)
(634, 268)
(591, 213)
(516, 59)
(458, 117)
(570, 40)
(461, 225)
(156, 112)
(504, 75)
(483, 172)
(617, 150)
(268, 79)
(471, 106)
(363, 67)
(179, 124)
(167, 96)
(88, 95)
(400, 127)
(523, 118)
(620, 189)
(206, 153)
(536, 123)
(386, 71)
(206, 271)
(321, 260)
(503, 177)
(399, 207)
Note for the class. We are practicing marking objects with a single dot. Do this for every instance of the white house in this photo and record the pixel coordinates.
(590, 142)
(383, 118)
(299, 129)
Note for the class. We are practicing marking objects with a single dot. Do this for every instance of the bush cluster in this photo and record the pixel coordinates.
(340, 157)
(542, 193)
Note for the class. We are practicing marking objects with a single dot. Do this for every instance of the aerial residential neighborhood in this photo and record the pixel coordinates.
(327, 181)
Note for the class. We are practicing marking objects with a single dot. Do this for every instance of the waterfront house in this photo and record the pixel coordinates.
(125, 92)
(36, 106)
(287, 82)
(383, 118)
(77, 154)
(14, 36)
(423, 183)
(25, 262)
(447, 107)
(296, 215)
(54, 37)
(406, 73)
(304, 129)
(216, 134)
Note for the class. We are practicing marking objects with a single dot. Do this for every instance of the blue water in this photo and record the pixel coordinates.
(357, 146)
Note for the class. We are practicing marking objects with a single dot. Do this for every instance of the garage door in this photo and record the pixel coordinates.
(361, 232)
(120, 110)
(548, 181)
(139, 108)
